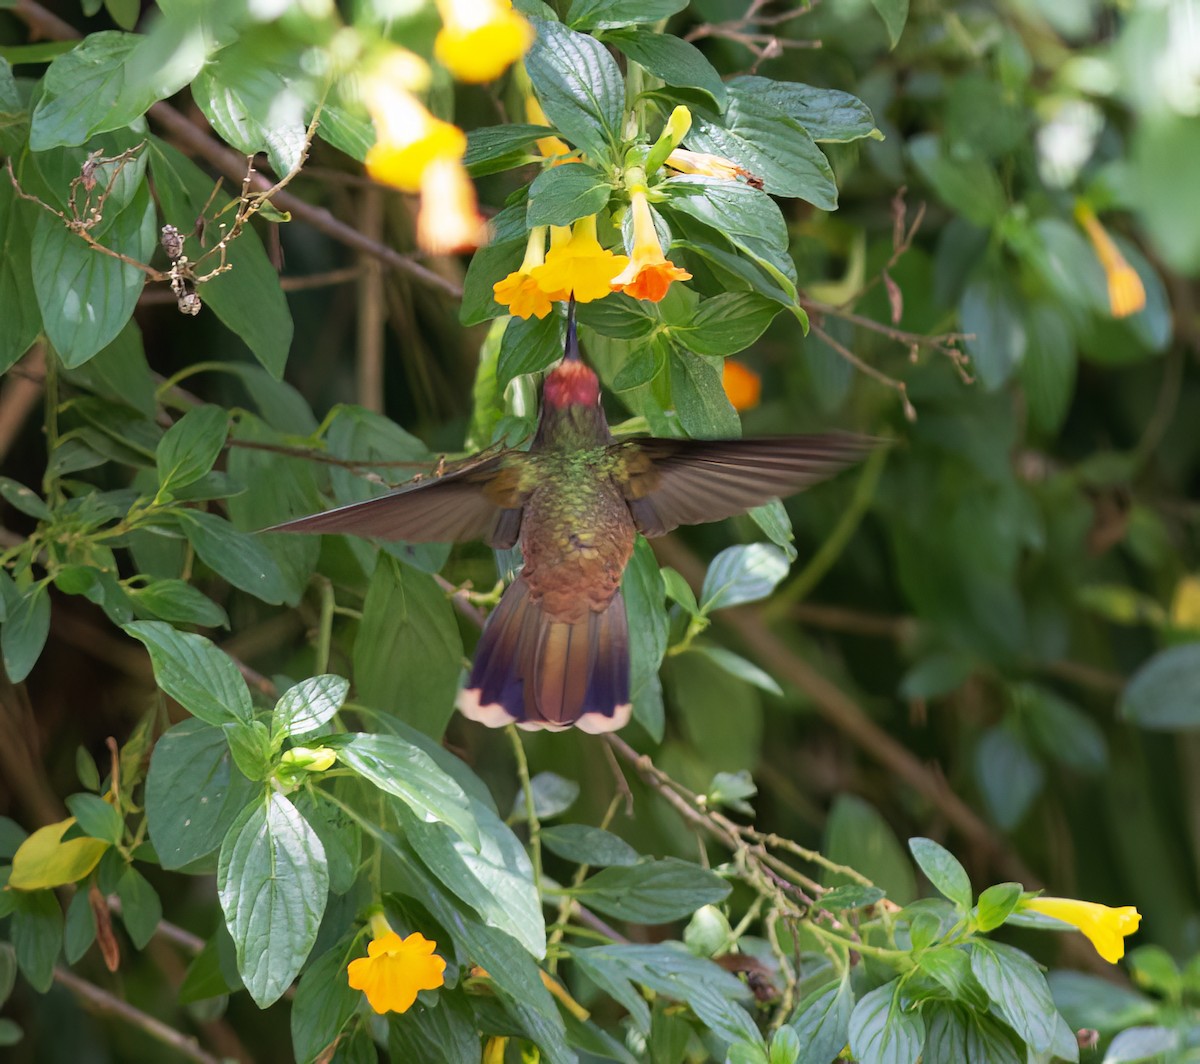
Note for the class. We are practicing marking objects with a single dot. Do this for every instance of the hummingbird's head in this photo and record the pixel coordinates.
(571, 383)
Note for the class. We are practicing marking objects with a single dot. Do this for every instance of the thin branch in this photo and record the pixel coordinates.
(233, 166)
(344, 275)
(891, 382)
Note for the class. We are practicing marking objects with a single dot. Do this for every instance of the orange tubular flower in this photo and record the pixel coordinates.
(649, 273)
(519, 291)
(577, 263)
(1126, 293)
(449, 220)
(480, 39)
(742, 385)
(1105, 927)
(395, 969)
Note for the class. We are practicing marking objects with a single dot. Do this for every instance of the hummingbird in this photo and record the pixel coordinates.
(554, 652)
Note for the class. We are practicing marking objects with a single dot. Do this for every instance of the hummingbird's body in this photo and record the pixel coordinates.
(555, 650)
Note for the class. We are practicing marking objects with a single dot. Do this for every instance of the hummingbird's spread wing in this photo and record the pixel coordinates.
(481, 502)
(689, 482)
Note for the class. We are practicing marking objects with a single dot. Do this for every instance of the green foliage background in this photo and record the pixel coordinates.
(984, 637)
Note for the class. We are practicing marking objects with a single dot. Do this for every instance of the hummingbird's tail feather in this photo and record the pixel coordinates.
(536, 672)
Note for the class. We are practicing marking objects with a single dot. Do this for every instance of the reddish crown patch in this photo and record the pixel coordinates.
(571, 383)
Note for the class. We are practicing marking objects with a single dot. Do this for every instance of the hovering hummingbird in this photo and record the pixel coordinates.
(555, 650)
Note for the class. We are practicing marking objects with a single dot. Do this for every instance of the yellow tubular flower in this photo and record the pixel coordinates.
(1105, 927)
(742, 385)
(395, 969)
(519, 291)
(694, 162)
(407, 137)
(577, 263)
(550, 147)
(480, 39)
(649, 273)
(449, 220)
(1126, 293)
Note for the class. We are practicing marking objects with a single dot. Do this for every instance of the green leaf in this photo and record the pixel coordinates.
(1017, 989)
(141, 911)
(675, 61)
(995, 905)
(238, 557)
(120, 372)
(24, 632)
(408, 653)
(247, 298)
(561, 194)
(195, 673)
(273, 883)
(1141, 1044)
(642, 589)
(552, 795)
(1010, 777)
(488, 265)
(36, 932)
(252, 103)
(943, 870)
(704, 409)
(822, 1020)
(736, 665)
(446, 1032)
(894, 14)
(579, 87)
(745, 573)
(727, 323)
(193, 793)
(990, 312)
(609, 14)
(79, 931)
(87, 297)
(250, 744)
(585, 844)
(882, 1031)
(500, 144)
(398, 767)
(1093, 1001)
(951, 967)
(81, 89)
(529, 345)
(673, 972)
(323, 1004)
(827, 114)
(310, 704)
(178, 602)
(1164, 694)
(730, 207)
(496, 880)
(18, 301)
(756, 134)
(858, 837)
(967, 185)
(189, 449)
(96, 817)
(652, 891)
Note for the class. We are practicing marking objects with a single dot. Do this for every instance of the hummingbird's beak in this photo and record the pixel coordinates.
(571, 349)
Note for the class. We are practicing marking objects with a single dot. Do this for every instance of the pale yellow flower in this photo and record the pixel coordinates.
(577, 263)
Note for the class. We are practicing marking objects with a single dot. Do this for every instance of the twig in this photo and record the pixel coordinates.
(371, 306)
(891, 382)
(345, 275)
(232, 165)
(101, 1001)
(535, 826)
(20, 395)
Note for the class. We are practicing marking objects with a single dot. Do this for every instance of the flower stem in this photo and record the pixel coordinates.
(535, 827)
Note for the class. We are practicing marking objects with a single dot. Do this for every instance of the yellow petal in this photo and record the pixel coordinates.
(1106, 927)
(480, 39)
(395, 970)
(43, 860)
